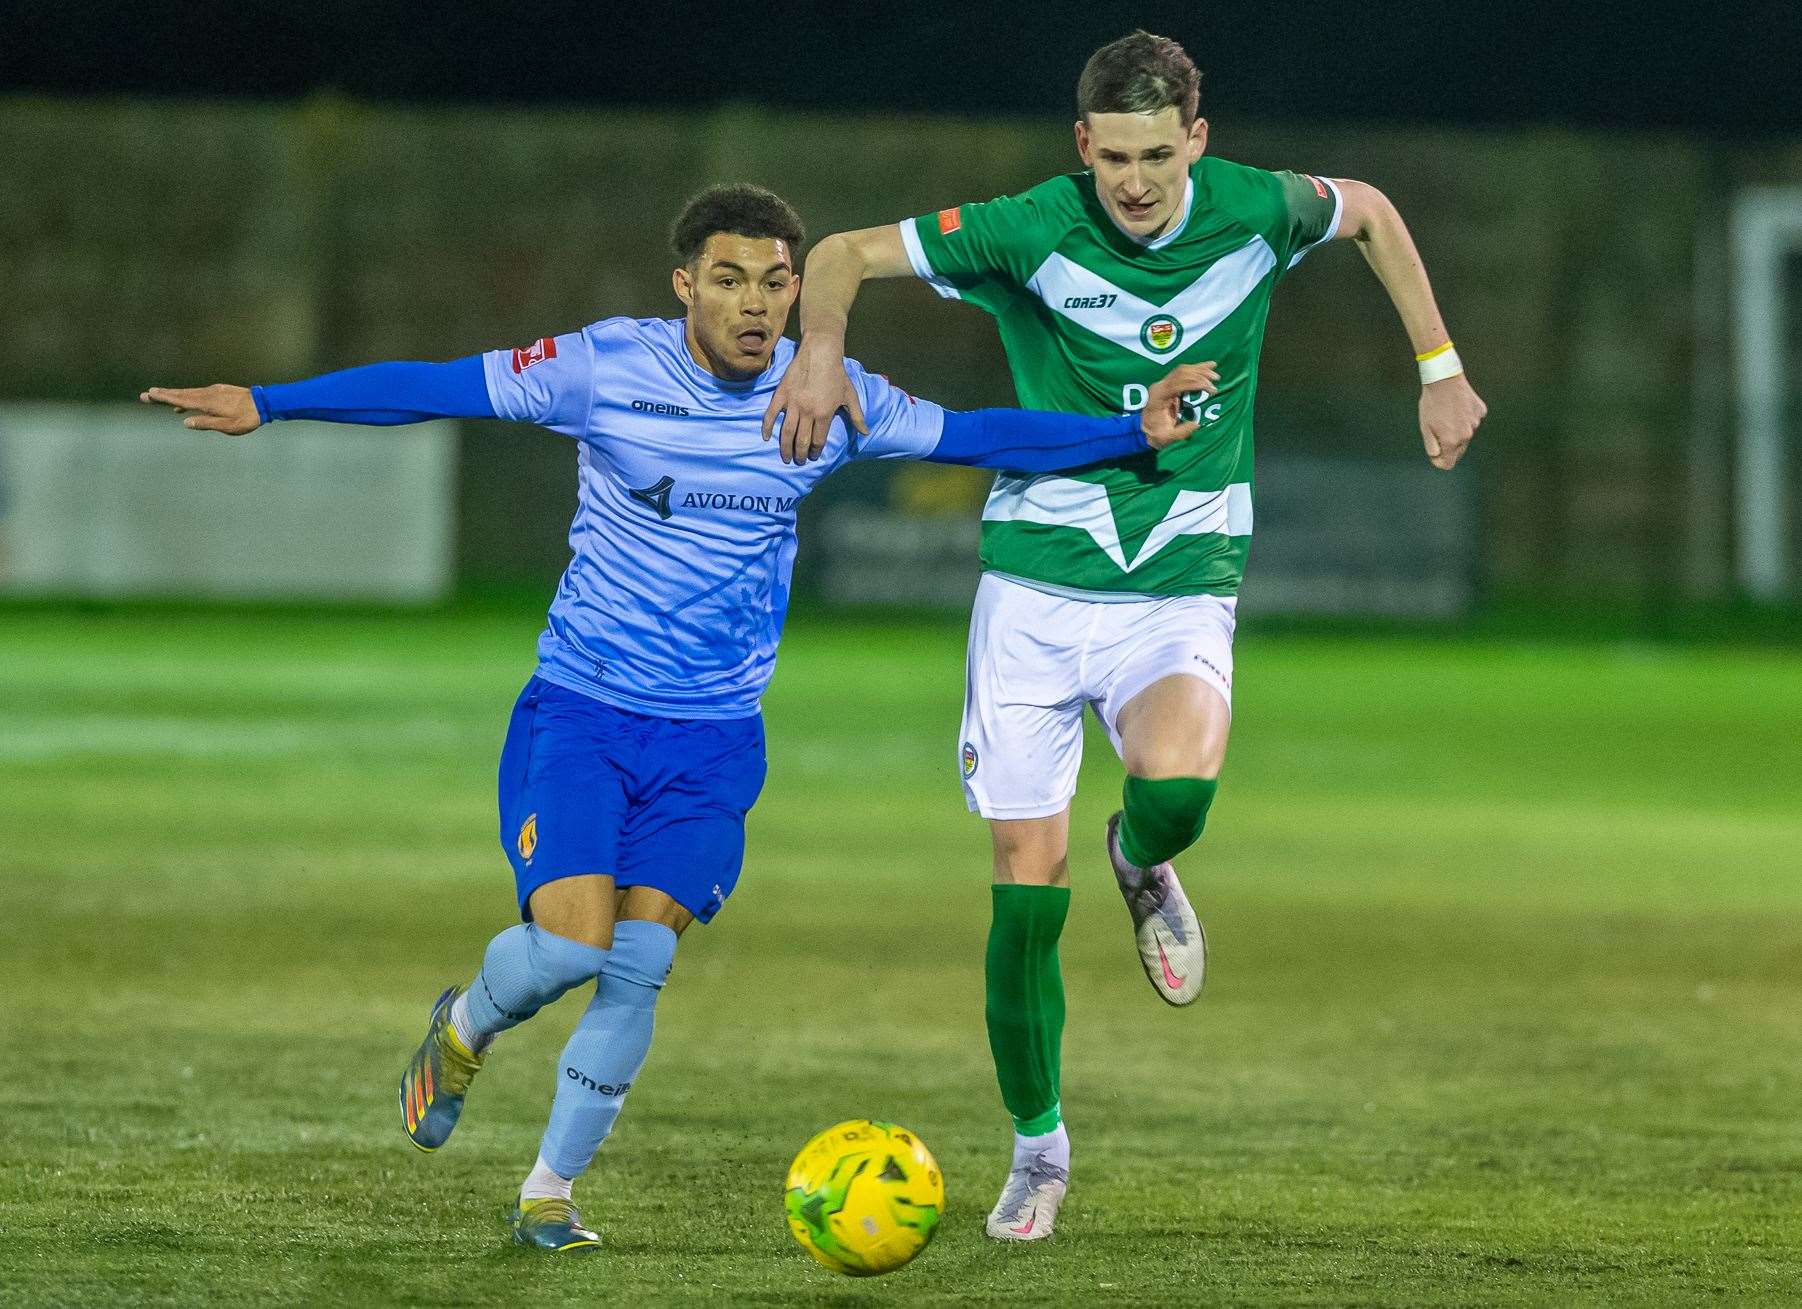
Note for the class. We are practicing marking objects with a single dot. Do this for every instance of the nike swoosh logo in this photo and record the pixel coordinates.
(1024, 1229)
(1171, 980)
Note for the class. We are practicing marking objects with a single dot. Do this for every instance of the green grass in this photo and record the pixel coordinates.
(1504, 1002)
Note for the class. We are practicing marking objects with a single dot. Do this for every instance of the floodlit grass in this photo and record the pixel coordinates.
(1504, 1002)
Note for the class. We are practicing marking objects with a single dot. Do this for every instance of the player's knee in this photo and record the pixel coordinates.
(562, 962)
(1164, 816)
(642, 953)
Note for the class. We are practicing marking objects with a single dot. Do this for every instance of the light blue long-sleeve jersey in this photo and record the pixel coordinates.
(684, 541)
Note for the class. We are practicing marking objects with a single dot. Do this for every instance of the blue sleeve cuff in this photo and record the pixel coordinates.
(1034, 441)
(262, 403)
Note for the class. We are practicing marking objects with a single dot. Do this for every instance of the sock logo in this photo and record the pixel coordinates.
(528, 837)
(589, 1084)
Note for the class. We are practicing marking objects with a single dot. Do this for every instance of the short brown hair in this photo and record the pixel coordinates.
(739, 208)
(1139, 74)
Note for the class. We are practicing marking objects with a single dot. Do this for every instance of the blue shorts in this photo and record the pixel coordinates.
(658, 802)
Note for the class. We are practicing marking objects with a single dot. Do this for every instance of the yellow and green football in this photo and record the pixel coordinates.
(864, 1198)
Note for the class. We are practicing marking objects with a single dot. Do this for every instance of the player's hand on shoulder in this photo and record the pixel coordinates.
(1162, 417)
(808, 398)
(1450, 411)
(217, 408)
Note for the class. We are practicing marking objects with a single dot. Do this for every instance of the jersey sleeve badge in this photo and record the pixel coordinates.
(536, 353)
(950, 220)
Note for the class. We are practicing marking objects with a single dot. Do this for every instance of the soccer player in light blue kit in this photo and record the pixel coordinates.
(636, 748)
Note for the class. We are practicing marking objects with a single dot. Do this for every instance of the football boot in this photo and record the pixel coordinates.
(552, 1224)
(435, 1082)
(1172, 947)
(1028, 1205)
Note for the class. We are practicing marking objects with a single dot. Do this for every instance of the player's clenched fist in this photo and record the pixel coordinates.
(1449, 413)
(217, 408)
(1161, 418)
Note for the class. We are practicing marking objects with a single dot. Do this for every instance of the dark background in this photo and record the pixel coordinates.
(262, 191)
(1718, 69)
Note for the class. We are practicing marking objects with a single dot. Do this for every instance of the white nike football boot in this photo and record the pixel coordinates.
(1172, 946)
(1028, 1205)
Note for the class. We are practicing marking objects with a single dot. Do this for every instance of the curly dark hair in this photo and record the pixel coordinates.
(1139, 74)
(739, 208)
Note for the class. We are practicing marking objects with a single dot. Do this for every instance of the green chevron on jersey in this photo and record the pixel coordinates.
(1090, 318)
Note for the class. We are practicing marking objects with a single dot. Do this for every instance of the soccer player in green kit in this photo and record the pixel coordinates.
(1115, 586)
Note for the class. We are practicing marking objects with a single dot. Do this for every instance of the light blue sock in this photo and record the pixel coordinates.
(525, 969)
(608, 1047)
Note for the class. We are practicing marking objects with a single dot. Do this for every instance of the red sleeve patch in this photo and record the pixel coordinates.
(1319, 186)
(536, 353)
(950, 220)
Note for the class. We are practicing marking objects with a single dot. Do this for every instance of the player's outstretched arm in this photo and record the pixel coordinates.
(1035, 441)
(382, 395)
(1450, 409)
(816, 387)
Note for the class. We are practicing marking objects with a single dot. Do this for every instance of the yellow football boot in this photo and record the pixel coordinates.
(433, 1087)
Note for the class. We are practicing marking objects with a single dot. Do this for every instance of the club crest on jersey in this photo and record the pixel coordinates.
(969, 757)
(536, 353)
(528, 837)
(1161, 333)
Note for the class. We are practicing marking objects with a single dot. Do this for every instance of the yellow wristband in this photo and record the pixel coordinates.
(1438, 364)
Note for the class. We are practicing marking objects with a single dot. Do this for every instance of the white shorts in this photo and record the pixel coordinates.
(1036, 659)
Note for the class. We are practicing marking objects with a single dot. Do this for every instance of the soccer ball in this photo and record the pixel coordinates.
(864, 1198)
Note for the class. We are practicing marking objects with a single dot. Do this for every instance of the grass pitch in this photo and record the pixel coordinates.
(1503, 1008)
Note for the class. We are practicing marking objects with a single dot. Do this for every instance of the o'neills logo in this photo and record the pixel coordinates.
(1161, 333)
(588, 1083)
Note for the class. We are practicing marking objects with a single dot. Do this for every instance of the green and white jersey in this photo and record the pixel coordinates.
(1089, 318)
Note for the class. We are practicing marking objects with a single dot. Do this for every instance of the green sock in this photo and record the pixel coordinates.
(1163, 817)
(1026, 1002)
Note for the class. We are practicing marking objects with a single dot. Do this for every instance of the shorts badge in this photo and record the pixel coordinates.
(528, 837)
(969, 760)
